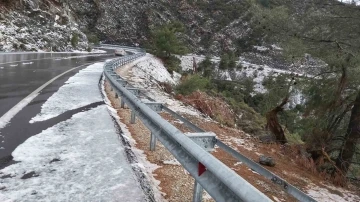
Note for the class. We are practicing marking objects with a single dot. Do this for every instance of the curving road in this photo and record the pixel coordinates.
(22, 91)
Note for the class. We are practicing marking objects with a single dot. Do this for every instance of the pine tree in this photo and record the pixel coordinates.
(331, 34)
(224, 62)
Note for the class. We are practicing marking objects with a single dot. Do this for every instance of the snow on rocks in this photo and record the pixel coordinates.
(79, 90)
(257, 72)
(29, 28)
(187, 61)
(261, 48)
(77, 156)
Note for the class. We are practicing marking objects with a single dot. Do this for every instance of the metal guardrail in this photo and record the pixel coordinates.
(166, 137)
(222, 183)
(287, 187)
(123, 47)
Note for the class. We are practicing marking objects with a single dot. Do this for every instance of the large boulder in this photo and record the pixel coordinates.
(267, 161)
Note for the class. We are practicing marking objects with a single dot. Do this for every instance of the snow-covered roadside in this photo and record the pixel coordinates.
(80, 159)
(78, 91)
(147, 73)
(141, 163)
(92, 51)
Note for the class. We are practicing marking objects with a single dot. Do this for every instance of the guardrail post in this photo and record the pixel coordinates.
(206, 140)
(122, 103)
(152, 142)
(198, 190)
(132, 121)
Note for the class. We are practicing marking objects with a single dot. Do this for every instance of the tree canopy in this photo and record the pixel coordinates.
(165, 40)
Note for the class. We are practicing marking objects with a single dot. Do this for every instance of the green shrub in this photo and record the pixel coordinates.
(75, 40)
(93, 39)
(206, 67)
(172, 63)
(224, 62)
(192, 84)
(264, 3)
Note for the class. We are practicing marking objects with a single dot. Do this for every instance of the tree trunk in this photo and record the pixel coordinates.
(273, 123)
(351, 138)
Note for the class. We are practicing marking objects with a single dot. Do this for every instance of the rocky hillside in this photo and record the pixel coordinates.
(32, 25)
(211, 25)
(40, 24)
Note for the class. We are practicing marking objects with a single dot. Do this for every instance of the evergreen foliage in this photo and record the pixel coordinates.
(206, 67)
(165, 43)
(332, 96)
(74, 40)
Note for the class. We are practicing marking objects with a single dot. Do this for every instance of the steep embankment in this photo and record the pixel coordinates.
(176, 184)
(38, 25)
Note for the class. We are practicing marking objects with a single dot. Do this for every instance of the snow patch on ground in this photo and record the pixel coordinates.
(323, 194)
(92, 51)
(78, 91)
(172, 162)
(187, 61)
(144, 78)
(74, 157)
(154, 68)
(146, 166)
(257, 72)
(235, 142)
(261, 48)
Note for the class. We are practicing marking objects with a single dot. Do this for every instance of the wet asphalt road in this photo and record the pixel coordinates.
(20, 75)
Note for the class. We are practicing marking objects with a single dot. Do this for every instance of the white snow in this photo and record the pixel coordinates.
(323, 194)
(187, 61)
(261, 48)
(147, 73)
(92, 164)
(173, 162)
(275, 47)
(153, 67)
(146, 166)
(92, 51)
(78, 91)
(257, 72)
(238, 163)
(357, 2)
